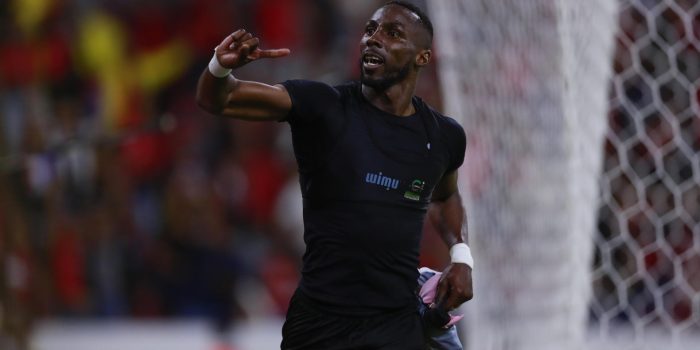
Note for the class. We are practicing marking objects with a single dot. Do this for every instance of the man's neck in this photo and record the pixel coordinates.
(396, 99)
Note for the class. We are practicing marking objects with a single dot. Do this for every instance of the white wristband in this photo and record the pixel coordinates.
(461, 254)
(216, 69)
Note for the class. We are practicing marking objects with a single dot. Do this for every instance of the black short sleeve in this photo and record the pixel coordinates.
(457, 143)
(311, 100)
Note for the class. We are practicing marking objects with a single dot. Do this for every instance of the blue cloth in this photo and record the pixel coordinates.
(438, 338)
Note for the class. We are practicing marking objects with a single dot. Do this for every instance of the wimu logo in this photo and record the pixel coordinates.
(381, 180)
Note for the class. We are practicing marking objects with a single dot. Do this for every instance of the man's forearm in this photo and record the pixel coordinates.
(455, 285)
(448, 216)
(213, 92)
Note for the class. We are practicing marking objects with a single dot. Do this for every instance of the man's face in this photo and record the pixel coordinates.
(388, 49)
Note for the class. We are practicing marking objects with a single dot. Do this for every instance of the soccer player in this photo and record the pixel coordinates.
(374, 160)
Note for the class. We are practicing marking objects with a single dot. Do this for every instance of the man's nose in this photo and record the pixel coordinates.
(373, 39)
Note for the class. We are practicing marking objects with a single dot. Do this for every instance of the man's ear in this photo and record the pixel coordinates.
(423, 57)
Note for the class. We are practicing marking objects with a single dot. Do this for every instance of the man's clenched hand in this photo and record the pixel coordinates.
(455, 286)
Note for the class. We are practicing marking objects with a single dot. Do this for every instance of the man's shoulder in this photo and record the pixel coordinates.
(444, 121)
(347, 87)
(315, 100)
(318, 86)
(451, 130)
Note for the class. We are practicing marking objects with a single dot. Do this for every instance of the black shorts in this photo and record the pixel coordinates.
(309, 328)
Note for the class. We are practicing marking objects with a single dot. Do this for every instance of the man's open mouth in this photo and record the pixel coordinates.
(370, 60)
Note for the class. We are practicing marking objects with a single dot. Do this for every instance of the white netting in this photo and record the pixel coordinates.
(646, 273)
(528, 79)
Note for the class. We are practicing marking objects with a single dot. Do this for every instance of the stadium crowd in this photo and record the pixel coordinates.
(118, 196)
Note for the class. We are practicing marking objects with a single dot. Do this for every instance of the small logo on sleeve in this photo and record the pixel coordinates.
(415, 190)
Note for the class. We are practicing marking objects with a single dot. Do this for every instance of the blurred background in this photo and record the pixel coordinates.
(124, 209)
(119, 198)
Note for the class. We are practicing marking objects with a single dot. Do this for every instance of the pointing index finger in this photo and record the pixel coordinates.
(273, 53)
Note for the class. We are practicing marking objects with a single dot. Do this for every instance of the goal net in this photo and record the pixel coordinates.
(581, 180)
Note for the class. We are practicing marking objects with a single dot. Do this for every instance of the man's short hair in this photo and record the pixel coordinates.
(422, 16)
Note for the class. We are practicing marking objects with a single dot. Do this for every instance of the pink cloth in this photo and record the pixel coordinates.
(427, 294)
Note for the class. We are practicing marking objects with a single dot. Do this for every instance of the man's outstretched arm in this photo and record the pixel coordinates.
(447, 214)
(227, 96)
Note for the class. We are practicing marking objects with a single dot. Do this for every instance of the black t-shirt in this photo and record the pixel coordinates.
(366, 178)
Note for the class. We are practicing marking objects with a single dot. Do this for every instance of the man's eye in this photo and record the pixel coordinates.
(393, 34)
(369, 30)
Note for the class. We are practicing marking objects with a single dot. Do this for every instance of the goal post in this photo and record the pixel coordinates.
(583, 173)
(529, 81)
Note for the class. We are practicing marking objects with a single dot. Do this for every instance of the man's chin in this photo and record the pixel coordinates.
(383, 81)
(376, 83)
